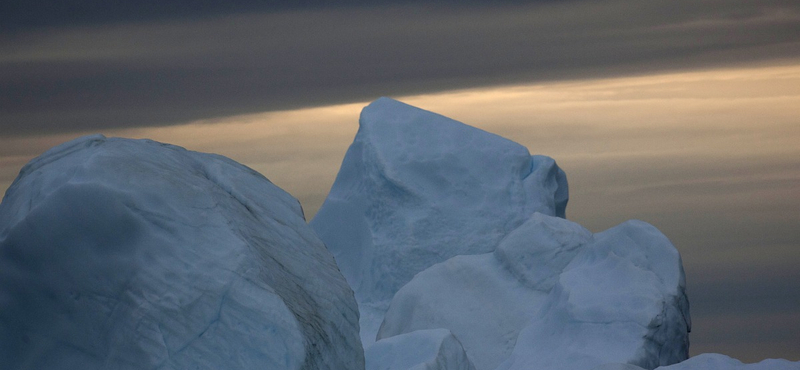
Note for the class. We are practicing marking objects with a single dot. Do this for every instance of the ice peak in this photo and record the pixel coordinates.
(419, 187)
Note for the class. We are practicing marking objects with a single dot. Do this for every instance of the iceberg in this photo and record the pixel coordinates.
(132, 254)
(435, 349)
(439, 225)
(486, 299)
(620, 300)
(554, 296)
(415, 189)
(617, 366)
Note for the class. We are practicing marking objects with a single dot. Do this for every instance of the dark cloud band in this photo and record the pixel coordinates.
(167, 71)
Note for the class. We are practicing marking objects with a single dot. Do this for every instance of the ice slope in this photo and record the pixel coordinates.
(416, 188)
(554, 296)
(715, 361)
(435, 349)
(131, 254)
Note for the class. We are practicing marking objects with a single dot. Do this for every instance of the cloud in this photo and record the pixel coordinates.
(18, 15)
(162, 71)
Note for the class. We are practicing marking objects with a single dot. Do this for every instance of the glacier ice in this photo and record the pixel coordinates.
(617, 366)
(551, 296)
(715, 361)
(416, 188)
(620, 300)
(434, 349)
(485, 299)
(131, 254)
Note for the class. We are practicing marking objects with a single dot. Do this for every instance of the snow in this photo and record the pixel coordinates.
(554, 296)
(435, 349)
(415, 189)
(715, 361)
(131, 254)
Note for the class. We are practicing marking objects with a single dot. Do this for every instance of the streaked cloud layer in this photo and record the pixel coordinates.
(151, 70)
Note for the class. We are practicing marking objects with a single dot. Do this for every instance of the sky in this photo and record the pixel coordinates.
(684, 114)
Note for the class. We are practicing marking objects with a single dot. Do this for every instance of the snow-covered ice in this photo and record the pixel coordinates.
(435, 349)
(131, 254)
(554, 296)
(416, 188)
